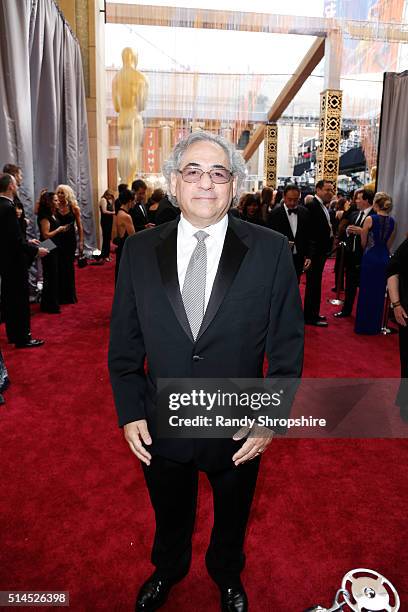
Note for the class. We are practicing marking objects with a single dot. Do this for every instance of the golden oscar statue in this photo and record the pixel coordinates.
(373, 175)
(129, 94)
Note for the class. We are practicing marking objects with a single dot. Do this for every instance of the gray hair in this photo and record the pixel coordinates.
(236, 161)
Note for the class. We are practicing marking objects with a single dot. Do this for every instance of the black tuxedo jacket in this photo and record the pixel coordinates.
(353, 242)
(139, 216)
(278, 221)
(15, 252)
(321, 242)
(254, 309)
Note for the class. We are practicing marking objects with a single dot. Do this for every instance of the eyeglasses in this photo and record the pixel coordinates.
(194, 175)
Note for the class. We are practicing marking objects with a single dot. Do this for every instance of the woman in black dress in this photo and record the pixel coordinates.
(107, 210)
(153, 205)
(124, 225)
(68, 213)
(50, 228)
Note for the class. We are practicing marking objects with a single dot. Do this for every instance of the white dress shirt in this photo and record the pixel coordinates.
(293, 222)
(366, 211)
(186, 243)
(361, 217)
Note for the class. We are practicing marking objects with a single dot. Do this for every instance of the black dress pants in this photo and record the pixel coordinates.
(352, 263)
(173, 492)
(299, 262)
(15, 303)
(313, 293)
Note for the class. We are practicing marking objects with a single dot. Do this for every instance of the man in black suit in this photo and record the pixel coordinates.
(353, 250)
(292, 221)
(194, 296)
(166, 211)
(321, 234)
(138, 212)
(16, 171)
(15, 252)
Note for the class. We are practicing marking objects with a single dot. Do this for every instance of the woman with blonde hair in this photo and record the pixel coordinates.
(107, 210)
(376, 236)
(68, 213)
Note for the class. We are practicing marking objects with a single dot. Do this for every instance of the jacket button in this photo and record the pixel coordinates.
(197, 358)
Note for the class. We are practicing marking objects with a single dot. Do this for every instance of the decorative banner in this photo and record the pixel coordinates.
(151, 151)
(362, 56)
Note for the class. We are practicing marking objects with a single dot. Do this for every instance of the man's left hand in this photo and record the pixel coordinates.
(34, 242)
(258, 440)
(307, 264)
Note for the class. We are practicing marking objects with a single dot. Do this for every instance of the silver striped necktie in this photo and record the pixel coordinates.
(193, 293)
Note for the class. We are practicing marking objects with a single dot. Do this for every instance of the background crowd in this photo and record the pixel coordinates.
(60, 239)
(356, 229)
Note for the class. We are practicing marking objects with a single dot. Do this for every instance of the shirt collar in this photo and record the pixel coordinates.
(287, 209)
(320, 201)
(216, 230)
(7, 198)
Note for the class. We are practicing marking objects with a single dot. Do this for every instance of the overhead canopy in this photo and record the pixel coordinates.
(353, 160)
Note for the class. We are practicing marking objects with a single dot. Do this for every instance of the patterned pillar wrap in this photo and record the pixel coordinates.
(327, 166)
(271, 154)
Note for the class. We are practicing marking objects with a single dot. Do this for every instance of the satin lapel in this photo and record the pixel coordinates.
(286, 222)
(166, 253)
(143, 210)
(233, 252)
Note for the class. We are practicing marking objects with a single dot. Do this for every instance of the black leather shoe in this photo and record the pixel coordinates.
(321, 318)
(317, 323)
(2, 400)
(153, 594)
(234, 599)
(31, 343)
(341, 315)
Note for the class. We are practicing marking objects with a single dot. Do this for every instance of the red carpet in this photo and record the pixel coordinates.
(75, 514)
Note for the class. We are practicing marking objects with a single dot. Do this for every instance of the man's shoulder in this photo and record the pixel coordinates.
(277, 211)
(314, 204)
(6, 204)
(152, 236)
(303, 212)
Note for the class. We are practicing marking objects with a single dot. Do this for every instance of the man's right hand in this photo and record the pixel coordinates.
(42, 252)
(136, 434)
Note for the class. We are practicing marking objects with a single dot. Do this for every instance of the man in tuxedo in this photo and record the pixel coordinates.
(195, 298)
(138, 211)
(353, 250)
(292, 221)
(321, 235)
(15, 252)
(17, 172)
